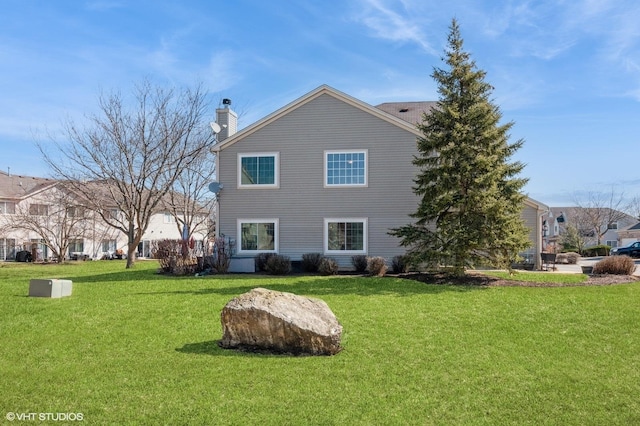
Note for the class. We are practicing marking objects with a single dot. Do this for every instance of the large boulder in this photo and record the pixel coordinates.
(280, 322)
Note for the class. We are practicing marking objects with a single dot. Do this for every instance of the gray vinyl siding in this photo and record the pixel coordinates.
(301, 203)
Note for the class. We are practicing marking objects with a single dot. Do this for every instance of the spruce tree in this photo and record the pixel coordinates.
(470, 204)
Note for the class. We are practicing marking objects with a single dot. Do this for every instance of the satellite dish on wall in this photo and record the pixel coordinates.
(215, 187)
(215, 127)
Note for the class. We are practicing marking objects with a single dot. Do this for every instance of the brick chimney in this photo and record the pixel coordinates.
(227, 119)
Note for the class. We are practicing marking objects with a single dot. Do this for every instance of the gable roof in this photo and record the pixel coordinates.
(17, 187)
(410, 112)
(322, 90)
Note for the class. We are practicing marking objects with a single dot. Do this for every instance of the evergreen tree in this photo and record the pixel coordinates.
(471, 199)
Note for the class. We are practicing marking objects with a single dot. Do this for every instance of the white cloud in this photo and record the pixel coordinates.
(388, 23)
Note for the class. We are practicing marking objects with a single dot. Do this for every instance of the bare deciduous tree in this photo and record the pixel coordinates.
(634, 207)
(597, 211)
(191, 203)
(125, 159)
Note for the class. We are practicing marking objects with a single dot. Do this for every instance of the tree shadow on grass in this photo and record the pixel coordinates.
(124, 275)
(341, 285)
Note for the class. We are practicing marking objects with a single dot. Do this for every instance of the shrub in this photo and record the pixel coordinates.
(311, 262)
(601, 250)
(615, 265)
(328, 266)
(399, 264)
(359, 263)
(261, 261)
(572, 257)
(278, 265)
(221, 259)
(174, 258)
(377, 266)
(166, 251)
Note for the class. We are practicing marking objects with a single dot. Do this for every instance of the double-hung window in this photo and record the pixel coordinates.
(345, 236)
(38, 210)
(7, 207)
(258, 170)
(345, 168)
(76, 245)
(258, 235)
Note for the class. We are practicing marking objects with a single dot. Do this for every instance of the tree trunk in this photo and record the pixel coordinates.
(132, 247)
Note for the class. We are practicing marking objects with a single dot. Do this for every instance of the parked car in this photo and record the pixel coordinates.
(631, 249)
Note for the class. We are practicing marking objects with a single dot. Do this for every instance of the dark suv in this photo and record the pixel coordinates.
(632, 249)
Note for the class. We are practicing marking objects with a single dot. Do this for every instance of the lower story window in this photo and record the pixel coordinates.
(345, 236)
(76, 246)
(258, 235)
(109, 246)
(7, 248)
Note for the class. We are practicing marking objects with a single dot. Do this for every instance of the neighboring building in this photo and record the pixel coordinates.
(42, 201)
(629, 234)
(609, 221)
(326, 173)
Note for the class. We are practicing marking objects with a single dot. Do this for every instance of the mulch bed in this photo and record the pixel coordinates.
(474, 278)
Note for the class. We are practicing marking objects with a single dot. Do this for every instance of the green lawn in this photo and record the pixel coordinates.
(133, 347)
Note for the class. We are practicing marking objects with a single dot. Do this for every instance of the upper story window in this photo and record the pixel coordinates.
(168, 218)
(345, 168)
(39, 210)
(612, 225)
(111, 214)
(7, 207)
(76, 211)
(258, 170)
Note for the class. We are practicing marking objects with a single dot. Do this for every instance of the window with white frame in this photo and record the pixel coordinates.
(612, 225)
(612, 243)
(7, 207)
(345, 236)
(258, 170)
(345, 168)
(76, 245)
(7, 248)
(168, 218)
(109, 246)
(258, 235)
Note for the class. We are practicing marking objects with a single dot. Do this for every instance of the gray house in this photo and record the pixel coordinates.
(326, 173)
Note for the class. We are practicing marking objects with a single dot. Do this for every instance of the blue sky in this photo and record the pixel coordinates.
(566, 72)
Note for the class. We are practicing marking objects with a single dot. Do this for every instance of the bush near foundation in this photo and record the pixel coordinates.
(377, 266)
(615, 265)
(359, 263)
(278, 265)
(311, 262)
(328, 266)
(261, 261)
(399, 265)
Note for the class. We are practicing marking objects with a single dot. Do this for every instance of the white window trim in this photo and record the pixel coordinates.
(353, 151)
(276, 235)
(276, 170)
(365, 237)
